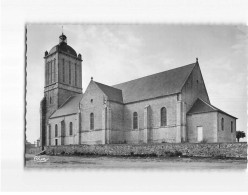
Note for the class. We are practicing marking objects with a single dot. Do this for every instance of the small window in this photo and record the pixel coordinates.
(222, 124)
(197, 81)
(178, 97)
(231, 126)
(91, 100)
(50, 100)
(91, 121)
(135, 120)
(71, 128)
(163, 116)
(56, 130)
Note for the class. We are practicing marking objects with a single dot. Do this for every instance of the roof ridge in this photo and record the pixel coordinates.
(188, 75)
(96, 83)
(107, 85)
(213, 108)
(65, 102)
(112, 93)
(208, 104)
(154, 74)
(70, 104)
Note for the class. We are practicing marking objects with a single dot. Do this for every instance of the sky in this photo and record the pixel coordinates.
(118, 53)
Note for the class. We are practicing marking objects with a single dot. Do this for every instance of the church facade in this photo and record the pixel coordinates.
(171, 106)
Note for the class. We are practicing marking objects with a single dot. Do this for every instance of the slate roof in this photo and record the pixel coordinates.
(201, 106)
(156, 85)
(69, 107)
(113, 94)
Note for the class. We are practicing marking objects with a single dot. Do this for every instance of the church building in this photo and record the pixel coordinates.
(171, 106)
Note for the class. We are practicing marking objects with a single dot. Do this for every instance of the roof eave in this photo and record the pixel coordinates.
(63, 115)
(226, 114)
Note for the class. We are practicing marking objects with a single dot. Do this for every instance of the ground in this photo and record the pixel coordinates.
(93, 162)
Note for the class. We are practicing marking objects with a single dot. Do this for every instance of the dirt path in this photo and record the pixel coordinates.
(133, 163)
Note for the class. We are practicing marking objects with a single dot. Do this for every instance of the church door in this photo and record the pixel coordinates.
(199, 134)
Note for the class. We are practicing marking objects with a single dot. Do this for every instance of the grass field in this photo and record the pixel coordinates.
(99, 162)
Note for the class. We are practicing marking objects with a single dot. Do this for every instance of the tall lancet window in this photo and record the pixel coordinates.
(63, 70)
(222, 124)
(56, 130)
(91, 121)
(48, 73)
(49, 135)
(51, 71)
(54, 71)
(71, 127)
(135, 120)
(47, 68)
(163, 115)
(52, 75)
(69, 72)
(75, 74)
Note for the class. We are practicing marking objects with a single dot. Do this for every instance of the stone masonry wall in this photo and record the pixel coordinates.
(68, 139)
(226, 134)
(208, 121)
(214, 150)
(35, 150)
(157, 133)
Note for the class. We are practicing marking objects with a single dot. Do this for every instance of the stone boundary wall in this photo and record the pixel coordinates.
(214, 150)
(35, 150)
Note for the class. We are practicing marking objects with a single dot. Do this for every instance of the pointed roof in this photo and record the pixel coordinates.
(156, 85)
(70, 106)
(113, 94)
(200, 106)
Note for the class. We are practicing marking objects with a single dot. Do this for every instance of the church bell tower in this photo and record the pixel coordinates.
(63, 78)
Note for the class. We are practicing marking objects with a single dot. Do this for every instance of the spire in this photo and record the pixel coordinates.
(62, 38)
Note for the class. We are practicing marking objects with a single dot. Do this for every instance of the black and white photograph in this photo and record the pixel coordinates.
(136, 96)
(103, 100)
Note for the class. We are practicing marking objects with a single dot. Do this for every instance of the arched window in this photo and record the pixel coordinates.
(222, 124)
(231, 126)
(135, 120)
(71, 128)
(163, 115)
(56, 130)
(62, 128)
(91, 121)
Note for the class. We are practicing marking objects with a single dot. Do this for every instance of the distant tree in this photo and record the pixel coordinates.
(240, 134)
